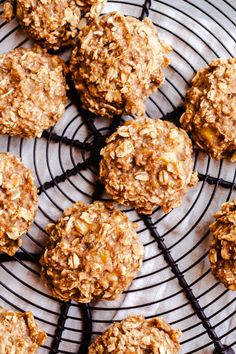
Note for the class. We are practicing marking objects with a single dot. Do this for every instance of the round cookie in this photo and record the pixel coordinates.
(118, 63)
(18, 202)
(19, 333)
(210, 103)
(32, 92)
(53, 24)
(137, 335)
(147, 163)
(92, 252)
(222, 253)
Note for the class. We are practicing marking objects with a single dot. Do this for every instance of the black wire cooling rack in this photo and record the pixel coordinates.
(175, 281)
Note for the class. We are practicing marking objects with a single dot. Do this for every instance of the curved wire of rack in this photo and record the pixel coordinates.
(90, 152)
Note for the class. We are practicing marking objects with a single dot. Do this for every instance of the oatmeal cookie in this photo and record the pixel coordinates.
(32, 91)
(18, 202)
(53, 24)
(19, 333)
(222, 253)
(119, 62)
(137, 335)
(92, 252)
(147, 163)
(210, 103)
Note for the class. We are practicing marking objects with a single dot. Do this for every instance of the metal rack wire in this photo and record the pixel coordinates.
(91, 316)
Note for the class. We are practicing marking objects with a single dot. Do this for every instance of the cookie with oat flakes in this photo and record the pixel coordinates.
(147, 163)
(18, 202)
(137, 335)
(210, 115)
(32, 91)
(222, 253)
(93, 252)
(118, 63)
(53, 24)
(19, 333)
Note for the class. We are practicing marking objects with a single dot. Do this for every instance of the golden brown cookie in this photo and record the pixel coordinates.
(92, 252)
(222, 253)
(19, 333)
(119, 62)
(148, 163)
(53, 24)
(18, 202)
(210, 103)
(137, 335)
(32, 91)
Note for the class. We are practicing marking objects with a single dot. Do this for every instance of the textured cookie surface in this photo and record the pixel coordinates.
(32, 91)
(18, 202)
(119, 62)
(19, 334)
(137, 335)
(52, 23)
(147, 163)
(92, 252)
(210, 114)
(223, 245)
